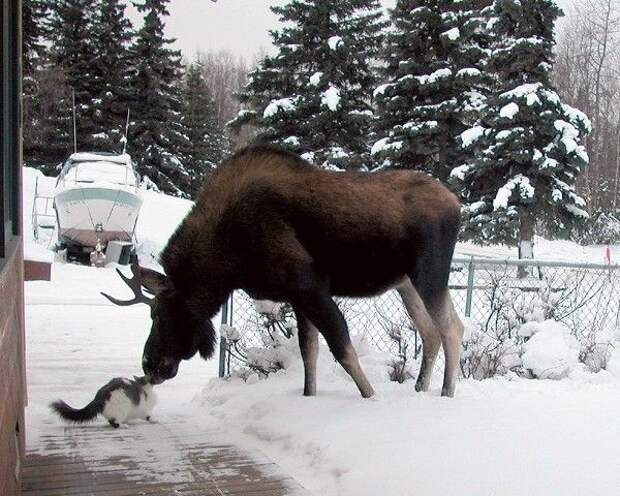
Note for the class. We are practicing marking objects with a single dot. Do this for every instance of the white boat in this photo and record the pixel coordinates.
(97, 200)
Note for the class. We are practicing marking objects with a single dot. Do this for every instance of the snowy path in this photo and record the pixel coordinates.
(76, 342)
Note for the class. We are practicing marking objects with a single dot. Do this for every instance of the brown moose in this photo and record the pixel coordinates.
(272, 225)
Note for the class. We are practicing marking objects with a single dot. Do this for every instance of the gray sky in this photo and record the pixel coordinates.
(237, 25)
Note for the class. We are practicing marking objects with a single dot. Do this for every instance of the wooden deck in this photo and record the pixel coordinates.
(147, 459)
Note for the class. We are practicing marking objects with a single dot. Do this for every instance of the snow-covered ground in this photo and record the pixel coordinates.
(496, 437)
(506, 436)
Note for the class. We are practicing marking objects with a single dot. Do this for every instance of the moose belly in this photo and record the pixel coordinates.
(360, 278)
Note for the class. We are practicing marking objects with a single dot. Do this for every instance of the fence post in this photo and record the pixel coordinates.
(470, 287)
(225, 315)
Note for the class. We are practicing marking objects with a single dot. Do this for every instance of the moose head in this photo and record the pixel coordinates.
(176, 334)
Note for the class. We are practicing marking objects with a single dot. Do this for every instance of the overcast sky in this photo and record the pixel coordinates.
(240, 26)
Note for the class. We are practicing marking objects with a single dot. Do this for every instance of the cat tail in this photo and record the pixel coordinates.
(86, 414)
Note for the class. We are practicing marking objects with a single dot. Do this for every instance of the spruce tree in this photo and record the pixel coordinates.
(34, 14)
(207, 143)
(527, 145)
(436, 80)
(71, 34)
(156, 138)
(314, 95)
(112, 35)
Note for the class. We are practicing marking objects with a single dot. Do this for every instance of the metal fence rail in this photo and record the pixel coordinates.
(489, 293)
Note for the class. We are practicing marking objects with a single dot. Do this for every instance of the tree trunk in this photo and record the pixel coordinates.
(526, 241)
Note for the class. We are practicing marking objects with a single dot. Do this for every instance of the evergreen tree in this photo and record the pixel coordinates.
(34, 14)
(435, 67)
(314, 96)
(207, 143)
(71, 33)
(112, 35)
(156, 138)
(527, 145)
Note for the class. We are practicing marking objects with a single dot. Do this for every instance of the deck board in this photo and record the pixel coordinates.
(168, 459)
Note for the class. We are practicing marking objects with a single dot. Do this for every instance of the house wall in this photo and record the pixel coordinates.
(12, 372)
(12, 375)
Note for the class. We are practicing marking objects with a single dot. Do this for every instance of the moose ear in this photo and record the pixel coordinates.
(153, 281)
(207, 340)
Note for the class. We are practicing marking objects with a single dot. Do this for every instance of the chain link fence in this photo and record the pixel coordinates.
(496, 296)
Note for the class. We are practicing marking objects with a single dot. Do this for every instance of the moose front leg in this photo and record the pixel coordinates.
(321, 310)
(308, 336)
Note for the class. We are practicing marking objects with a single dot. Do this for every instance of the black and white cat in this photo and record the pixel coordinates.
(118, 401)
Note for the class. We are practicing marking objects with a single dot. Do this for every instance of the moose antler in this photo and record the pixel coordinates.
(135, 284)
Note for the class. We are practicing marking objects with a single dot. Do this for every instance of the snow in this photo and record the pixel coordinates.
(315, 79)
(472, 135)
(385, 144)
(483, 441)
(335, 42)
(123, 159)
(509, 436)
(509, 111)
(434, 77)
(521, 91)
(552, 352)
(576, 115)
(568, 135)
(292, 141)
(282, 104)
(452, 34)
(380, 90)
(468, 72)
(331, 98)
(525, 189)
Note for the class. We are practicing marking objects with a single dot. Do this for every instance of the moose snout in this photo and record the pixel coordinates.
(161, 370)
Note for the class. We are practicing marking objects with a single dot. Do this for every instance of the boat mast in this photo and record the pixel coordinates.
(126, 133)
(74, 122)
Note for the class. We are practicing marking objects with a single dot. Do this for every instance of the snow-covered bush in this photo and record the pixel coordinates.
(513, 308)
(551, 352)
(400, 365)
(595, 348)
(488, 352)
(276, 328)
(404, 342)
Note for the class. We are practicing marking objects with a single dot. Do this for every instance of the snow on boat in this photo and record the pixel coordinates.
(97, 200)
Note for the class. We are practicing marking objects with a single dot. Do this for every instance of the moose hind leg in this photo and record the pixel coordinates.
(321, 310)
(308, 336)
(431, 339)
(451, 330)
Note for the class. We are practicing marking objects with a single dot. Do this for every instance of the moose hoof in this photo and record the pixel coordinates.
(447, 392)
(421, 386)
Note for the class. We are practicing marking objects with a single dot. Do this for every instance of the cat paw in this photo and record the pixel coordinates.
(114, 423)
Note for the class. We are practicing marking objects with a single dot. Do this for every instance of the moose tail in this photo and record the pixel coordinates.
(86, 414)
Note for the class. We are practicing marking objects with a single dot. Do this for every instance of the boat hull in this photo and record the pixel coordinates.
(87, 214)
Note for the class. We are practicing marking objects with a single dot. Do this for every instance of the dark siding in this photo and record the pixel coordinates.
(12, 375)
